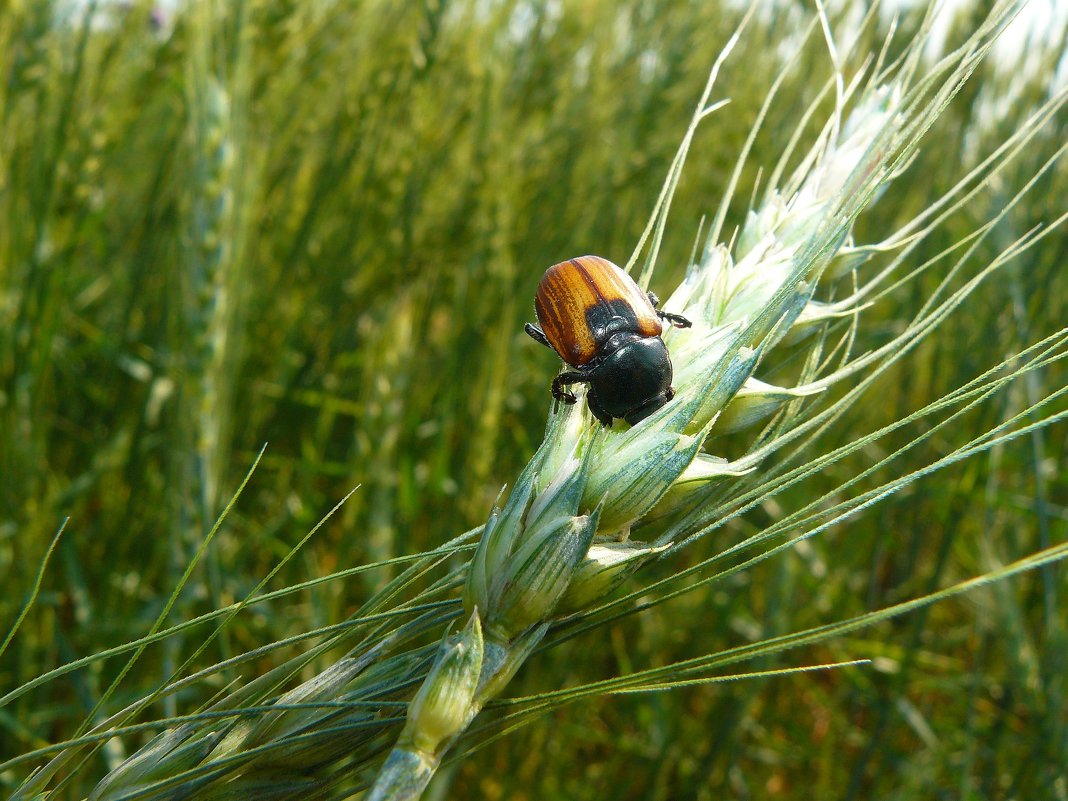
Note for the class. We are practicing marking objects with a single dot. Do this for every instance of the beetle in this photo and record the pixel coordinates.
(601, 323)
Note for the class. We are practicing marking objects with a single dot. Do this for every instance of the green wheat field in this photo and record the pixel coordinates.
(264, 269)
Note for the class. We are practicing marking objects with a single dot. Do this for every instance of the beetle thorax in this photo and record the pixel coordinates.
(634, 375)
(617, 341)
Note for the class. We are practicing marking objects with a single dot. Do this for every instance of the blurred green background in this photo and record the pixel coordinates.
(320, 226)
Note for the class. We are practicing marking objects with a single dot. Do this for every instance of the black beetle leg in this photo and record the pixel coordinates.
(676, 320)
(563, 380)
(598, 411)
(537, 335)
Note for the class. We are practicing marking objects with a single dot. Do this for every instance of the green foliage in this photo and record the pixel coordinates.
(320, 226)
